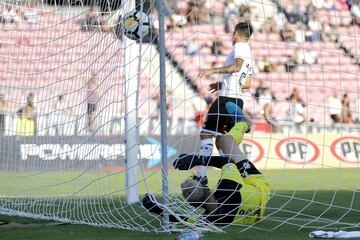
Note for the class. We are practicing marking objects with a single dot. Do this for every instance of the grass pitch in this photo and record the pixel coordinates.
(301, 200)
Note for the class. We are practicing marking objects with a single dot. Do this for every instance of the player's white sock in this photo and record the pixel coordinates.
(206, 148)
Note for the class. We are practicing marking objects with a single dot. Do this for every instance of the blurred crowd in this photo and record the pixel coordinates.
(297, 22)
(259, 104)
(60, 109)
(17, 15)
(292, 23)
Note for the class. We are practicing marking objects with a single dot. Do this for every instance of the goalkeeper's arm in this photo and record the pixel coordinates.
(150, 203)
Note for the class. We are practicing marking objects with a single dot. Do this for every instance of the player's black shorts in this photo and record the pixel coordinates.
(218, 119)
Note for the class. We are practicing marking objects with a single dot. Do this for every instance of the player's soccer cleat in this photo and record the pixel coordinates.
(186, 162)
(237, 114)
(150, 204)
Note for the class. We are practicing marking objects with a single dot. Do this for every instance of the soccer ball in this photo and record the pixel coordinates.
(136, 25)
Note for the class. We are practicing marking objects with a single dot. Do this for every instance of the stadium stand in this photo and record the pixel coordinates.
(333, 70)
(55, 56)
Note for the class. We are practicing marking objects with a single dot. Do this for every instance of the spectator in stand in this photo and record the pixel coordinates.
(8, 15)
(310, 57)
(61, 109)
(268, 116)
(17, 17)
(297, 113)
(92, 99)
(200, 108)
(176, 22)
(156, 98)
(154, 21)
(244, 12)
(92, 19)
(196, 13)
(328, 33)
(357, 110)
(303, 56)
(264, 64)
(346, 112)
(290, 63)
(279, 20)
(295, 92)
(269, 26)
(314, 27)
(300, 33)
(247, 107)
(310, 9)
(61, 105)
(256, 22)
(350, 3)
(230, 12)
(286, 34)
(217, 47)
(335, 107)
(259, 89)
(193, 46)
(355, 10)
(329, 5)
(30, 16)
(265, 98)
(3, 109)
(209, 10)
(25, 122)
(294, 14)
(318, 3)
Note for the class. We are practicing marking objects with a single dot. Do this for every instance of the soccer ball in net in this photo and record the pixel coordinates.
(136, 25)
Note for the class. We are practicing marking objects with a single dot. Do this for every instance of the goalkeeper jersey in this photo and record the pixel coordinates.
(239, 200)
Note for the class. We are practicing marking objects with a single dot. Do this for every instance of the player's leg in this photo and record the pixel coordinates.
(218, 120)
(242, 124)
(211, 126)
(206, 149)
(231, 154)
(232, 151)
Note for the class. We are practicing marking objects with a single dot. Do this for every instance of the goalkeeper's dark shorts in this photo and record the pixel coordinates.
(218, 119)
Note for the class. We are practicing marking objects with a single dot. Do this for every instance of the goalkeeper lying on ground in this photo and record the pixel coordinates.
(241, 193)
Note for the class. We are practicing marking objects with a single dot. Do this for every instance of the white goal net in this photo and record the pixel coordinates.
(80, 108)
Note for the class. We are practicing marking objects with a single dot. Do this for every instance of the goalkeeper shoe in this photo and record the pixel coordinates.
(186, 161)
(150, 203)
(237, 114)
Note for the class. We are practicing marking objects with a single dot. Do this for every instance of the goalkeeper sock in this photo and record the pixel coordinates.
(206, 148)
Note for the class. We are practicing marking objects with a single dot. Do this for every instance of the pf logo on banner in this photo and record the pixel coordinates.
(297, 150)
(346, 149)
(252, 149)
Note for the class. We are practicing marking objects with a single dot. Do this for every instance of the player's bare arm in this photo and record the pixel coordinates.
(235, 67)
(248, 82)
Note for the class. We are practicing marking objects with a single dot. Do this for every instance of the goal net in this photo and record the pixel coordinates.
(80, 109)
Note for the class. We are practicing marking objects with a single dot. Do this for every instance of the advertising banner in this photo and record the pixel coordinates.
(278, 151)
(267, 151)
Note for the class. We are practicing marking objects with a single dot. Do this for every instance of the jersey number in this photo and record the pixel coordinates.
(244, 74)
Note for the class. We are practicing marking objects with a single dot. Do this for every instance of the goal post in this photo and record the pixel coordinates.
(131, 79)
(163, 112)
